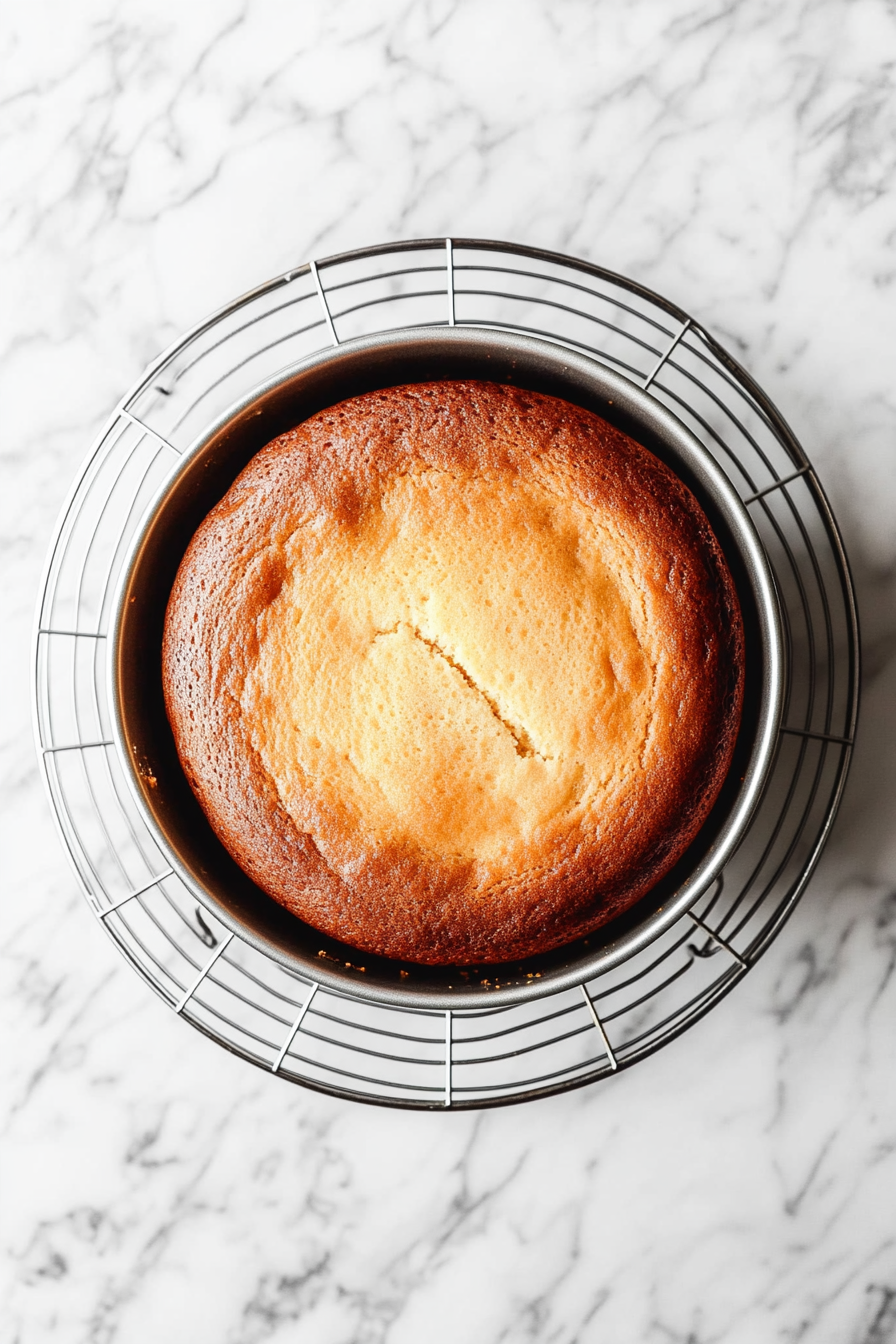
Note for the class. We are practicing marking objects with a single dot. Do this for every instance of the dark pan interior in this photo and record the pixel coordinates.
(205, 478)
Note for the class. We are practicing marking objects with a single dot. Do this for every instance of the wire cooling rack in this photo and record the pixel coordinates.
(339, 1042)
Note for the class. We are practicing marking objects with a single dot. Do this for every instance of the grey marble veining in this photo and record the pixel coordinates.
(739, 157)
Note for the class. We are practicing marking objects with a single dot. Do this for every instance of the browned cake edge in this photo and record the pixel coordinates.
(401, 902)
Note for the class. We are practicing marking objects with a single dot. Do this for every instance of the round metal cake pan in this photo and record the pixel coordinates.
(202, 477)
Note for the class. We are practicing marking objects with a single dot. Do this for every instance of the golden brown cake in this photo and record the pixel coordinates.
(455, 671)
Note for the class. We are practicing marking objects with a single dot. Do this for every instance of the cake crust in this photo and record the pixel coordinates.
(455, 671)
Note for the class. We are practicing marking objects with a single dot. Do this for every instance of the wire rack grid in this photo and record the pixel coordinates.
(251, 1004)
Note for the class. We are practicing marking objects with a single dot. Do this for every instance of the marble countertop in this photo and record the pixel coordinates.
(157, 159)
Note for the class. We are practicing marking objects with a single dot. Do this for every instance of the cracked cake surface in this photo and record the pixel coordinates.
(455, 671)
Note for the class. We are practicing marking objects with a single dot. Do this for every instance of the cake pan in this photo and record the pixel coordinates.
(203, 475)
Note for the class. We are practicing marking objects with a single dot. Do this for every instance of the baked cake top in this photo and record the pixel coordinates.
(455, 671)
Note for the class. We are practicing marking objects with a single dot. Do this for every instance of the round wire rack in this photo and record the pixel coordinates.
(339, 1042)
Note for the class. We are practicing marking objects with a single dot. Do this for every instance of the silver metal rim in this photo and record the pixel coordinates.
(623, 393)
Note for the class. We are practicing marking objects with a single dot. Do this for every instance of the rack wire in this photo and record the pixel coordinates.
(341, 1043)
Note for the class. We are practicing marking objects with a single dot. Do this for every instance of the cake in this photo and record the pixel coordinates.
(455, 671)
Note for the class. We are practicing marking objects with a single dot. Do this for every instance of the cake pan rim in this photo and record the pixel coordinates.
(657, 420)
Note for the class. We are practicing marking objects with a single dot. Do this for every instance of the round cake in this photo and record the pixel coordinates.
(455, 671)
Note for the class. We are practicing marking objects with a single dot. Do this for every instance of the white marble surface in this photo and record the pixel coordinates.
(738, 155)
